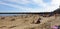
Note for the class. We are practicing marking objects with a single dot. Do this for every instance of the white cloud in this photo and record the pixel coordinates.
(16, 6)
(45, 7)
(48, 8)
(56, 2)
(54, 5)
(19, 1)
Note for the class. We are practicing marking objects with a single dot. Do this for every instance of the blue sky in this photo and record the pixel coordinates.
(28, 5)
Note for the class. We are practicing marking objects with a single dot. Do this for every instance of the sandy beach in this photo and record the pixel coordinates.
(29, 21)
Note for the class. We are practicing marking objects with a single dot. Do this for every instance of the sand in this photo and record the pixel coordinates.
(29, 21)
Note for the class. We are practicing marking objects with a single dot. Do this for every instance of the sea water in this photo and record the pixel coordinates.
(10, 14)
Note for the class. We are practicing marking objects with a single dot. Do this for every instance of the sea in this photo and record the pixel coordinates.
(10, 14)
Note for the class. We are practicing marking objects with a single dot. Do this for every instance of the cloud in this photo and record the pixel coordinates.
(19, 1)
(48, 7)
(18, 7)
(43, 7)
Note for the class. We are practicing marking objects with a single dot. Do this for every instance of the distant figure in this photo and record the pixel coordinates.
(38, 21)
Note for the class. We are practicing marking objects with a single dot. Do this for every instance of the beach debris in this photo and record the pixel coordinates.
(12, 19)
(12, 26)
(38, 21)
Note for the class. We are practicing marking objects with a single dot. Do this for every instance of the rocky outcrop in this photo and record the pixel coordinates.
(57, 11)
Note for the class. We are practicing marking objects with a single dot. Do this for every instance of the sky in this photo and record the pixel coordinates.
(29, 5)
